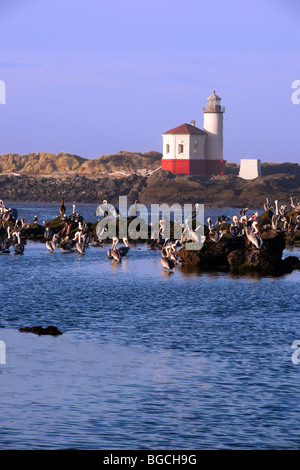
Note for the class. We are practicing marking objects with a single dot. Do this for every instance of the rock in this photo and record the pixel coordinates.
(238, 255)
(39, 330)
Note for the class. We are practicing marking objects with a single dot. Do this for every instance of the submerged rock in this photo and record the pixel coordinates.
(39, 330)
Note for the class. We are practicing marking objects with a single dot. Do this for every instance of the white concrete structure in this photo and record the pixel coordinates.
(250, 168)
(213, 125)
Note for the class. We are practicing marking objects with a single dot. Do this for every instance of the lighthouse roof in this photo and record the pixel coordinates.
(214, 97)
(186, 129)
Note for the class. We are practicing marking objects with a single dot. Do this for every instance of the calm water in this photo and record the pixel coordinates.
(147, 360)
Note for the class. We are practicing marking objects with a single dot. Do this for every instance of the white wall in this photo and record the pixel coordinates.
(213, 125)
(174, 140)
(250, 168)
(187, 140)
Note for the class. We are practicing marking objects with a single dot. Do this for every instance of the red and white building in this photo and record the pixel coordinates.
(193, 151)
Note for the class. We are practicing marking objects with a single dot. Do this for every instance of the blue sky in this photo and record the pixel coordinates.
(93, 78)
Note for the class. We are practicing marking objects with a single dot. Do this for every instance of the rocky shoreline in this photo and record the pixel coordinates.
(87, 184)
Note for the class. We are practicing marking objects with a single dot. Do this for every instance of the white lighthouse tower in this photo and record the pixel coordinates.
(213, 126)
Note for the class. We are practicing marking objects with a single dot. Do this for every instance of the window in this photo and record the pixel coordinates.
(180, 148)
(168, 148)
(195, 147)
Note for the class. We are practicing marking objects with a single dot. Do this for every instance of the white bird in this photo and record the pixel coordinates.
(166, 261)
(276, 217)
(214, 234)
(51, 244)
(253, 234)
(18, 246)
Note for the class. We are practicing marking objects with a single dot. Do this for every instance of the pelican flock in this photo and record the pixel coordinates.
(13, 231)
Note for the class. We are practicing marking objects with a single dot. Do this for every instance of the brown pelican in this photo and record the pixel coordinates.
(189, 234)
(195, 211)
(276, 217)
(236, 228)
(296, 207)
(267, 205)
(282, 210)
(242, 212)
(62, 208)
(79, 245)
(123, 250)
(114, 211)
(221, 219)
(5, 244)
(115, 254)
(156, 237)
(18, 246)
(297, 224)
(73, 215)
(173, 251)
(253, 234)
(166, 261)
(214, 234)
(51, 244)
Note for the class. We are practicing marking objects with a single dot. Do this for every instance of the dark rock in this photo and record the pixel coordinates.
(238, 255)
(39, 330)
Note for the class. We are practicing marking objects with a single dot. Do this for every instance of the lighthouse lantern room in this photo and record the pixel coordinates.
(190, 150)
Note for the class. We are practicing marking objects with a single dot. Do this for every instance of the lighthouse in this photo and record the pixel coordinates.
(188, 149)
(213, 125)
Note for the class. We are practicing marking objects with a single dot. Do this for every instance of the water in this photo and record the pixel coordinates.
(147, 360)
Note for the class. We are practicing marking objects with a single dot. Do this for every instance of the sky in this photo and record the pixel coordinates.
(92, 78)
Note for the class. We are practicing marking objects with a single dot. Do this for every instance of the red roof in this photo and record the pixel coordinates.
(186, 129)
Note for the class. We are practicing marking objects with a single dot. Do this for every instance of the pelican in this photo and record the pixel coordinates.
(214, 234)
(253, 234)
(267, 205)
(221, 219)
(62, 208)
(296, 207)
(297, 223)
(166, 261)
(123, 250)
(193, 235)
(79, 246)
(173, 251)
(242, 212)
(236, 228)
(51, 244)
(276, 217)
(282, 210)
(5, 244)
(114, 211)
(195, 211)
(19, 246)
(115, 252)
(73, 215)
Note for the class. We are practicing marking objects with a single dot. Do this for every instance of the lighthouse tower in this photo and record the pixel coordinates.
(213, 126)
